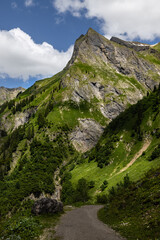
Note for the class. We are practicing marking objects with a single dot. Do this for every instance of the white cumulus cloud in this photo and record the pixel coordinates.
(126, 18)
(21, 57)
(29, 3)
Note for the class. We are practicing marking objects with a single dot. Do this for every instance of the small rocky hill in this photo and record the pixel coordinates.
(7, 94)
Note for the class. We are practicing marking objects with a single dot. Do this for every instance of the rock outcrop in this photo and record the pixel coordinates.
(7, 94)
(86, 135)
(17, 120)
(47, 206)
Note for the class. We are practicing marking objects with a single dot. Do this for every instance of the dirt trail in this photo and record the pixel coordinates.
(83, 224)
(137, 155)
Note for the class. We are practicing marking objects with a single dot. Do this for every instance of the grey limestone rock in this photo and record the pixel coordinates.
(7, 94)
(112, 110)
(86, 135)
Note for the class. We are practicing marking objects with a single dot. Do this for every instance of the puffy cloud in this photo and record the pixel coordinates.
(29, 3)
(22, 58)
(124, 18)
(74, 6)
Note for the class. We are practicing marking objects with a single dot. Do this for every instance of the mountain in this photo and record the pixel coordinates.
(7, 94)
(103, 76)
(92, 121)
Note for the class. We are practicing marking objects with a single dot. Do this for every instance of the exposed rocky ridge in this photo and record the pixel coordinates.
(7, 94)
(135, 45)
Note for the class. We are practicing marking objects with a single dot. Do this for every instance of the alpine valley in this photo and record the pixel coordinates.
(90, 134)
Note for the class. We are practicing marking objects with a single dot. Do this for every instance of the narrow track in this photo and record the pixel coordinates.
(83, 224)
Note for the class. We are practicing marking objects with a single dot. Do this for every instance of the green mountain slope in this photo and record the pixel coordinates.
(129, 145)
(57, 122)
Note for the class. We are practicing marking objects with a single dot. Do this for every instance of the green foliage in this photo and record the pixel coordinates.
(91, 184)
(104, 185)
(23, 228)
(3, 107)
(101, 154)
(133, 208)
(22, 225)
(155, 154)
(101, 198)
(67, 195)
(30, 132)
(33, 174)
(20, 104)
(11, 104)
(78, 194)
(41, 120)
(9, 146)
(82, 191)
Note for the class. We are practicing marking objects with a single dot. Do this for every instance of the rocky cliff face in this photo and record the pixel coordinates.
(86, 134)
(7, 94)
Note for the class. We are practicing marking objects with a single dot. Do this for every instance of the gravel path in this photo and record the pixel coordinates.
(83, 224)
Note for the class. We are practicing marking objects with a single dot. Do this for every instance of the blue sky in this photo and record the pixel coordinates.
(37, 36)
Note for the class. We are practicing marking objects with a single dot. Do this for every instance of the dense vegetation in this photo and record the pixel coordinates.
(133, 208)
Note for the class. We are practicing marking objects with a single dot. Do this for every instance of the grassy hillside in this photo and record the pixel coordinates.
(129, 145)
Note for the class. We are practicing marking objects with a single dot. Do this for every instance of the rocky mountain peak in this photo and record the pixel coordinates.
(87, 44)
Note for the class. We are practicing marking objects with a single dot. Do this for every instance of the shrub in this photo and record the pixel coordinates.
(91, 184)
(104, 185)
(23, 228)
(155, 154)
(102, 198)
(82, 191)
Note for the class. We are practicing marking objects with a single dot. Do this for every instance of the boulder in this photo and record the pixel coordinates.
(47, 205)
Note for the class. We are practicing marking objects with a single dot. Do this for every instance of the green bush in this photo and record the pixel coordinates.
(82, 191)
(104, 185)
(23, 228)
(101, 198)
(155, 154)
(132, 208)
